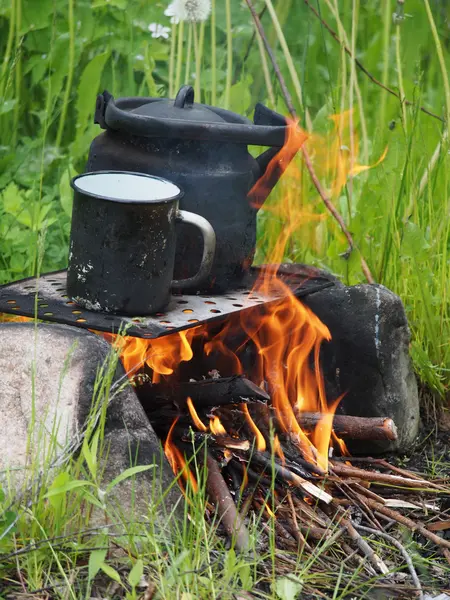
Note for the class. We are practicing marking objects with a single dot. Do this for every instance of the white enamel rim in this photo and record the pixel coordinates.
(126, 186)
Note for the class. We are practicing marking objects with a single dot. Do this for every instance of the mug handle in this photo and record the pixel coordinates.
(209, 248)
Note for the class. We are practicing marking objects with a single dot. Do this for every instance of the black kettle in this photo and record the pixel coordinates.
(202, 149)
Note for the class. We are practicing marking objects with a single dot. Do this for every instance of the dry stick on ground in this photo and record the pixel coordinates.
(363, 68)
(287, 98)
(226, 508)
(406, 521)
(369, 553)
(373, 476)
(401, 548)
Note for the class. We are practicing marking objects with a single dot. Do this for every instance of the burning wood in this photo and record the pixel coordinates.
(207, 392)
(354, 428)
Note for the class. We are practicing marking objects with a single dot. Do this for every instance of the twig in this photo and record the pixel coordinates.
(370, 554)
(339, 469)
(406, 521)
(401, 548)
(286, 475)
(226, 508)
(288, 99)
(363, 68)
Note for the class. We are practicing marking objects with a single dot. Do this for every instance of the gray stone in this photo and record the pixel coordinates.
(368, 358)
(47, 377)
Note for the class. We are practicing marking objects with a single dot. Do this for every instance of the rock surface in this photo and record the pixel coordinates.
(47, 378)
(368, 358)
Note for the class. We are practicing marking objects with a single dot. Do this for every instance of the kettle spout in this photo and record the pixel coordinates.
(268, 177)
(270, 170)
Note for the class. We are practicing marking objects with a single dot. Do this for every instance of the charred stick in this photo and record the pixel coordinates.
(226, 508)
(355, 428)
(284, 474)
(209, 392)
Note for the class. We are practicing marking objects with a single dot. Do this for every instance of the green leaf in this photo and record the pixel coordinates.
(245, 575)
(65, 191)
(7, 106)
(68, 487)
(60, 481)
(122, 4)
(134, 576)
(112, 573)
(90, 453)
(414, 244)
(12, 199)
(128, 473)
(96, 560)
(37, 15)
(93, 500)
(288, 588)
(88, 88)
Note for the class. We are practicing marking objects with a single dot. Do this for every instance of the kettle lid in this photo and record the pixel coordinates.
(182, 118)
(182, 108)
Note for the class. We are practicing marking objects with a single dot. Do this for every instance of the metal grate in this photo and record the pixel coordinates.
(46, 298)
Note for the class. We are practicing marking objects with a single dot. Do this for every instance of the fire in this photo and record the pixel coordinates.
(286, 335)
(176, 459)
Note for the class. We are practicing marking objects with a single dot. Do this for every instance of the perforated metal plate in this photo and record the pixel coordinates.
(46, 299)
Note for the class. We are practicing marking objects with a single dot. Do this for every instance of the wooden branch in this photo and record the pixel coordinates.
(373, 476)
(355, 428)
(287, 98)
(226, 508)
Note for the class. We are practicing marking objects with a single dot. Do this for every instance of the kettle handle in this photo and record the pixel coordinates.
(185, 97)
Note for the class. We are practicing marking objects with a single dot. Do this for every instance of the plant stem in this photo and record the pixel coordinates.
(266, 72)
(197, 52)
(286, 52)
(71, 67)
(387, 20)
(7, 55)
(188, 54)
(229, 55)
(213, 53)
(173, 39)
(179, 56)
(440, 54)
(17, 71)
(400, 77)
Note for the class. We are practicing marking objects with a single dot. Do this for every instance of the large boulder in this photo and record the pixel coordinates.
(48, 376)
(368, 358)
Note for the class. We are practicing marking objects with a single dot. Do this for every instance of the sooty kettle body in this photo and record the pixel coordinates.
(202, 149)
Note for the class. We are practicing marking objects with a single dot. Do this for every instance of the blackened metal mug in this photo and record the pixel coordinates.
(123, 241)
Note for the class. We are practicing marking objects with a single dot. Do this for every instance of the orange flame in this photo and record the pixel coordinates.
(216, 426)
(260, 441)
(194, 416)
(176, 459)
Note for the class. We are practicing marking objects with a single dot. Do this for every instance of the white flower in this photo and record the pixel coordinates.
(188, 10)
(158, 30)
(171, 12)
